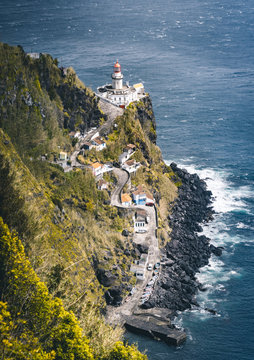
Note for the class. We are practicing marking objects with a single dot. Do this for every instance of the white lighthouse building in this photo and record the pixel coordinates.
(118, 93)
(117, 77)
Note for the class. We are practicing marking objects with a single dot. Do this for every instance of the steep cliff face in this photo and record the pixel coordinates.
(146, 117)
(39, 101)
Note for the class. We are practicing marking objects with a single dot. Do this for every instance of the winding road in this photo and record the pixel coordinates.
(117, 315)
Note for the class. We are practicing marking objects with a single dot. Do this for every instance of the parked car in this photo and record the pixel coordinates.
(133, 290)
(157, 265)
(141, 231)
(150, 267)
(151, 282)
(145, 296)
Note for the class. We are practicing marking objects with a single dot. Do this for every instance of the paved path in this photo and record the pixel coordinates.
(123, 178)
(112, 112)
(116, 315)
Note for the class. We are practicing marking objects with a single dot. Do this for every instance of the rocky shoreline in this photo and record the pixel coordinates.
(187, 251)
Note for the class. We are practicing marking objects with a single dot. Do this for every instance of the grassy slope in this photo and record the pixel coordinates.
(67, 227)
(34, 325)
(157, 177)
(39, 104)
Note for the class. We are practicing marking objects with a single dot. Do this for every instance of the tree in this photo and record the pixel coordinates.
(34, 321)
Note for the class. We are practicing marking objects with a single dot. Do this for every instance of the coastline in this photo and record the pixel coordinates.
(182, 257)
(187, 251)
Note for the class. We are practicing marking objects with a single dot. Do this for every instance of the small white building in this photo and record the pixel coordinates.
(102, 184)
(140, 267)
(139, 196)
(131, 166)
(97, 168)
(34, 55)
(130, 149)
(126, 200)
(77, 134)
(63, 156)
(118, 93)
(140, 220)
(149, 199)
(98, 143)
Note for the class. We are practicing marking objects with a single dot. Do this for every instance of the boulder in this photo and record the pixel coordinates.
(217, 251)
(143, 248)
(187, 251)
(106, 278)
(125, 232)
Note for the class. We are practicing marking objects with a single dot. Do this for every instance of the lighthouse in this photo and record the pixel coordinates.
(117, 77)
(118, 93)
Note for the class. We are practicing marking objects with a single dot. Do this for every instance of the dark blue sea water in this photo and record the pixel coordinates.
(196, 58)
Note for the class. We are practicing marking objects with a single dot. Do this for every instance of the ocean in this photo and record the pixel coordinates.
(195, 58)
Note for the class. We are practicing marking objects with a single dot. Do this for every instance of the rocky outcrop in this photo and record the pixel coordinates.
(187, 251)
(79, 107)
(146, 117)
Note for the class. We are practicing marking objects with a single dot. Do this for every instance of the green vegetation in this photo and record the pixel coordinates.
(33, 324)
(68, 234)
(39, 101)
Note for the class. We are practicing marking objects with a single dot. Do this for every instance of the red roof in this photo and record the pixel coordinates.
(131, 146)
(117, 64)
(149, 196)
(139, 191)
(130, 162)
(125, 198)
(96, 165)
(98, 141)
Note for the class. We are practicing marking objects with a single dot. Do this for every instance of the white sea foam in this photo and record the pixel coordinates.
(226, 199)
(241, 225)
(215, 273)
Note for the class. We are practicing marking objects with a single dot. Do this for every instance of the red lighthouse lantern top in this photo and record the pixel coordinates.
(117, 67)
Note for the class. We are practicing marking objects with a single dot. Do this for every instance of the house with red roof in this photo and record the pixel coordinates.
(98, 143)
(97, 168)
(131, 165)
(139, 196)
(126, 200)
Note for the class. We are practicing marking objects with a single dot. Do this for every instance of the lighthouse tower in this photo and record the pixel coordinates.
(117, 77)
(120, 94)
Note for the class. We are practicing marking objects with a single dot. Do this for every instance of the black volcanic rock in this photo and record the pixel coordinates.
(125, 232)
(106, 278)
(113, 295)
(187, 251)
(143, 248)
(216, 250)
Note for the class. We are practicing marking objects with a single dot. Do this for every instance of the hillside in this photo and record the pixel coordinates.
(71, 235)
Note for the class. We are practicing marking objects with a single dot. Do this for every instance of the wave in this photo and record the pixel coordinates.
(213, 275)
(227, 197)
(230, 203)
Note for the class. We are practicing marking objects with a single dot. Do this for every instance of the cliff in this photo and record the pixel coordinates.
(40, 102)
(73, 241)
(71, 235)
